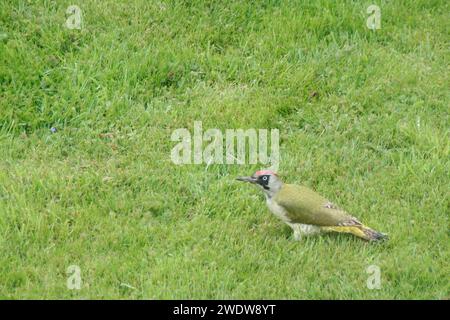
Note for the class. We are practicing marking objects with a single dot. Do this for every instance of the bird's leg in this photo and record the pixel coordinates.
(304, 230)
(297, 235)
(297, 232)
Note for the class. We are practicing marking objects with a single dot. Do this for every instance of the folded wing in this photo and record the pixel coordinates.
(305, 206)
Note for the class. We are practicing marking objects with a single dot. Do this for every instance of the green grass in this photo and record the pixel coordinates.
(103, 194)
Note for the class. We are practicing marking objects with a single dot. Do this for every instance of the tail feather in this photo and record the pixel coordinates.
(373, 235)
(360, 231)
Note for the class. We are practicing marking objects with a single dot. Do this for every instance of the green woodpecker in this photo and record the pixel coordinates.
(305, 211)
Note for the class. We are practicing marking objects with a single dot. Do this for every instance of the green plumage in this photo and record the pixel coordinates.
(305, 211)
(308, 207)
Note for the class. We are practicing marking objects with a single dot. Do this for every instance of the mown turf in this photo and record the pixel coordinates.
(363, 117)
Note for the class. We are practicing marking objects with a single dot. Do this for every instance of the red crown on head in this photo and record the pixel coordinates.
(264, 172)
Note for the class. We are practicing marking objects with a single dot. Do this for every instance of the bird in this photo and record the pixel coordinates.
(305, 211)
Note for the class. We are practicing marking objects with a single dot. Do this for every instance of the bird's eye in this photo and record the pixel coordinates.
(264, 178)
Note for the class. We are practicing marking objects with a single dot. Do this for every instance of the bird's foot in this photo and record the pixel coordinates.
(297, 235)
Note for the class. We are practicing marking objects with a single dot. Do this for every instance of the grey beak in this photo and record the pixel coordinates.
(247, 179)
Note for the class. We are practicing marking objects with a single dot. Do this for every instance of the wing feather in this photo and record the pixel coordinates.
(305, 206)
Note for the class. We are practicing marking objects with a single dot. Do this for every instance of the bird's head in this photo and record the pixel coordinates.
(267, 180)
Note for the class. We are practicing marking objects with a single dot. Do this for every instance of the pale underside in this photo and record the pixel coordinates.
(299, 229)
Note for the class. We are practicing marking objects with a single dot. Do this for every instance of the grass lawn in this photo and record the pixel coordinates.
(363, 118)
